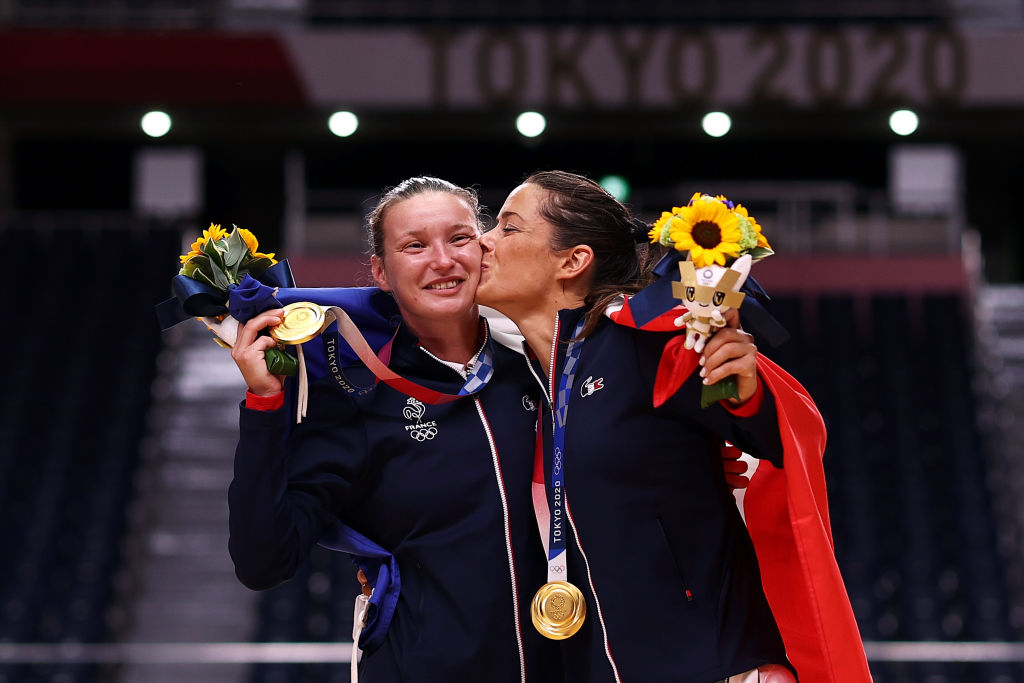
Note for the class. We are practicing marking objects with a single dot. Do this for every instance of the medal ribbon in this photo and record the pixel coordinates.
(555, 514)
(477, 376)
(331, 354)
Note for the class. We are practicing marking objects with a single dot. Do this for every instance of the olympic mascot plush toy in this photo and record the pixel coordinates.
(707, 292)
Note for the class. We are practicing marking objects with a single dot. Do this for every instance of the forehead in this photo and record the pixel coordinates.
(525, 200)
(428, 211)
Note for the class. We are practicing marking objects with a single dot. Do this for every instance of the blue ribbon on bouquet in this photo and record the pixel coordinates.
(372, 310)
(194, 299)
(657, 298)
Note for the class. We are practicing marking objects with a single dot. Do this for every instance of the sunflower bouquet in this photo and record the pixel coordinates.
(718, 241)
(713, 230)
(221, 258)
(221, 283)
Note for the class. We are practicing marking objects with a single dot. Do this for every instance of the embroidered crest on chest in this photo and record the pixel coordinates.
(419, 430)
(591, 385)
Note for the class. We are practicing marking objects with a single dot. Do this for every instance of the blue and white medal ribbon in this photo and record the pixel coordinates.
(558, 609)
(477, 376)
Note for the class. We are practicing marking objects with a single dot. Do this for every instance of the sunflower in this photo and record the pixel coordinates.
(660, 232)
(211, 234)
(253, 244)
(708, 229)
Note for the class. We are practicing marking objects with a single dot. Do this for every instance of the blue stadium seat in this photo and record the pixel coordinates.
(71, 432)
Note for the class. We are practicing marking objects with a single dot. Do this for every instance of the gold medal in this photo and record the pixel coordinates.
(558, 610)
(302, 321)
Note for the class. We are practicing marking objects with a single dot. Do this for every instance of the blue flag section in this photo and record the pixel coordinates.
(377, 317)
(381, 571)
(373, 311)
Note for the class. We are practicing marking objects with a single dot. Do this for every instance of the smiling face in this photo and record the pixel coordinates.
(431, 259)
(519, 265)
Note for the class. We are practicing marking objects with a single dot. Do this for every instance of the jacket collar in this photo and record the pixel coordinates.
(408, 357)
(538, 359)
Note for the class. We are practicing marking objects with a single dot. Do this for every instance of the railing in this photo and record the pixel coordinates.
(829, 216)
(797, 217)
(341, 652)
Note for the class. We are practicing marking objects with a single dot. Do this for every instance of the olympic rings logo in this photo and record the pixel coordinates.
(555, 569)
(423, 434)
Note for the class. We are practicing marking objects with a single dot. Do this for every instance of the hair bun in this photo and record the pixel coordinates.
(641, 231)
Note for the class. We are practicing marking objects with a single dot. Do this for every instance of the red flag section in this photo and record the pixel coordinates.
(787, 516)
(677, 362)
(663, 323)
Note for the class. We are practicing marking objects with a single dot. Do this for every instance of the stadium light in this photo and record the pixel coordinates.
(903, 122)
(716, 123)
(531, 124)
(343, 123)
(156, 124)
(616, 185)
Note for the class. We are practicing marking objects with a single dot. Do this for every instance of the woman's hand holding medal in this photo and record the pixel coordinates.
(249, 354)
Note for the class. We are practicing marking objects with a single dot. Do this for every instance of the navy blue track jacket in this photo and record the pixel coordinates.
(656, 542)
(446, 488)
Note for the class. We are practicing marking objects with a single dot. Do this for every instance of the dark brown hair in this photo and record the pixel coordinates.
(580, 211)
(407, 189)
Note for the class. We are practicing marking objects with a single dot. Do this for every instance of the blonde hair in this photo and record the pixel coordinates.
(407, 189)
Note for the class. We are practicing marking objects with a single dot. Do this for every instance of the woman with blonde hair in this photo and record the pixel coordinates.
(444, 488)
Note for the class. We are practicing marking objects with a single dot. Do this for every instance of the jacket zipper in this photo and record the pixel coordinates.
(496, 461)
(551, 368)
(593, 591)
(568, 511)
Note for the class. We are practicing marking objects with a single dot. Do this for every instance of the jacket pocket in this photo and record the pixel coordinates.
(683, 581)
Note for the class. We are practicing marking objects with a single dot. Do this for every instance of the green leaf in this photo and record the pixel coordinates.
(203, 277)
(256, 266)
(723, 389)
(211, 273)
(205, 266)
(235, 250)
(221, 279)
(758, 253)
(215, 251)
(196, 264)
